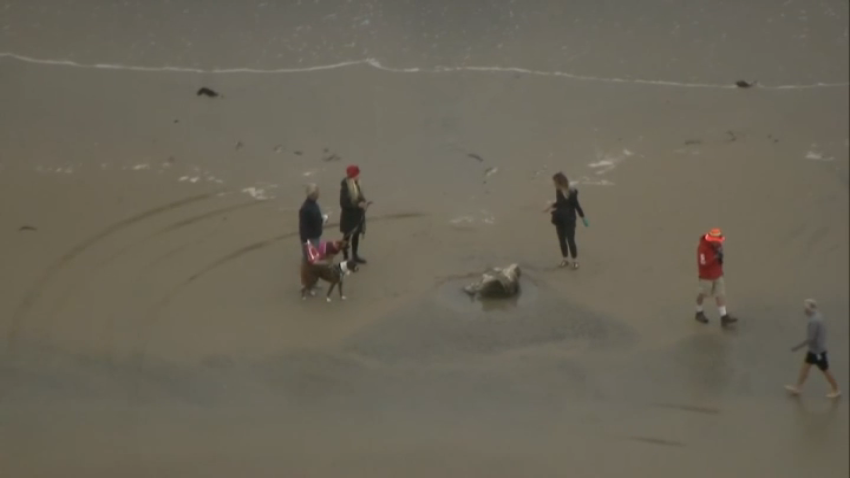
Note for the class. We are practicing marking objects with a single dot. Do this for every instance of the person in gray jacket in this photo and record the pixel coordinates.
(816, 354)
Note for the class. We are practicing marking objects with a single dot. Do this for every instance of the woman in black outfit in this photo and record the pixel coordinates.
(564, 211)
(352, 222)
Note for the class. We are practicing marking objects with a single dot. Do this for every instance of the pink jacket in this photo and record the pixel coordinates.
(315, 254)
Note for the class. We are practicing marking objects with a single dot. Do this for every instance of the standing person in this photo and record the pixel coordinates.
(311, 221)
(564, 211)
(352, 222)
(711, 281)
(816, 354)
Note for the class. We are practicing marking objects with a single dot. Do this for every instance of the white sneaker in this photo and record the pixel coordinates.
(834, 394)
(792, 389)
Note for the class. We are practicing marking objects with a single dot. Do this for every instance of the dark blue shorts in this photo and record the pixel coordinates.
(818, 360)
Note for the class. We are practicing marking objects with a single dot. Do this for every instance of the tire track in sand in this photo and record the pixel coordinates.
(69, 292)
(35, 291)
(156, 310)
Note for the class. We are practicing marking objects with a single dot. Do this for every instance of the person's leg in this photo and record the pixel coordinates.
(315, 242)
(832, 383)
(804, 374)
(701, 294)
(571, 242)
(720, 298)
(562, 243)
(355, 245)
(823, 365)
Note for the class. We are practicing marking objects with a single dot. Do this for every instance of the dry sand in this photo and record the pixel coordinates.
(149, 287)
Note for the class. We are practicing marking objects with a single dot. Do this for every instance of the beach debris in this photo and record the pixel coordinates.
(278, 149)
(475, 157)
(496, 283)
(745, 84)
(209, 93)
(732, 136)
(27, 228)
(239, 145)
(817, 156)
(489, 172)
(328, 156)
(176, 121)
(298, 153)
(259, 194)
(693, 142)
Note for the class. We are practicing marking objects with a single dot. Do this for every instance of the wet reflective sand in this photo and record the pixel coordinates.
(148, 238)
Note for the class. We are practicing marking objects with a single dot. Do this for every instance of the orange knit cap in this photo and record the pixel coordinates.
(715, 235)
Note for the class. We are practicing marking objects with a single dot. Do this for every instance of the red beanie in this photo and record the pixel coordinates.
(352, 171)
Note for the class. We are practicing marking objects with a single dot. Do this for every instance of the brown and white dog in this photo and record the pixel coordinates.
(326, 270)
(334, 274)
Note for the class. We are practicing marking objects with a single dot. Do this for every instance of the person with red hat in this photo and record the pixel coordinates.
(352, 221)
(711, 282)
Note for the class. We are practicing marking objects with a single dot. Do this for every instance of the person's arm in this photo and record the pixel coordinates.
(560, 202)
(302, 225)
(812, 330)
(579, 210)
(317, 221)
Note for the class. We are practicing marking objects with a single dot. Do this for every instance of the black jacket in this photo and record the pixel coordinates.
(310, 220)
(566, 207)
(352, 215)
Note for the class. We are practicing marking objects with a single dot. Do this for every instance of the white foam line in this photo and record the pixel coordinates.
(377, 65)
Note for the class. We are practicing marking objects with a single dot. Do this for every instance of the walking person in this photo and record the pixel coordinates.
(352, 222)
(711, 280)
(816, 353)
(565, 211)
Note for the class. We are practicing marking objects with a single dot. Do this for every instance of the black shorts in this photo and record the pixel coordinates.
(818, 360)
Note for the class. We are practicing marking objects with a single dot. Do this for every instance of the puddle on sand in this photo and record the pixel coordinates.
(445, 324)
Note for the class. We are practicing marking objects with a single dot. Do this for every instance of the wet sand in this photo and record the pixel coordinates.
(148, 239)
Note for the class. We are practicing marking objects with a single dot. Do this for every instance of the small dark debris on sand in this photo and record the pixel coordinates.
(204, 91)
(27, 228)
(732, 136)
(328, 156)
(298, 153)
(176, 121)
(239, 145)
(745, 84)
(692, 142)
(475, 157)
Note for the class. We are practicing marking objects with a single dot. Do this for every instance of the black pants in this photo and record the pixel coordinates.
(355, 245)
(567, 238)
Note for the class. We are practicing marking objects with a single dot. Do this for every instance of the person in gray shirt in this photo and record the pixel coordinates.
(816, 354)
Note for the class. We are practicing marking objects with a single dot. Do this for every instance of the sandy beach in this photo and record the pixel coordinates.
(149, 288)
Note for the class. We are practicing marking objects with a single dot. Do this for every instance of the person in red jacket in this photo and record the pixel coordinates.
(711, 283)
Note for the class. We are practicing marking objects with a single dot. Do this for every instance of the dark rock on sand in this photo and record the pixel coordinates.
(498, 283)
